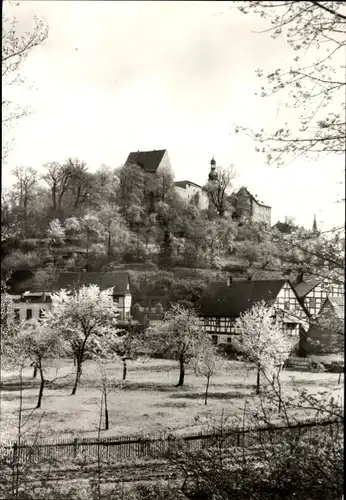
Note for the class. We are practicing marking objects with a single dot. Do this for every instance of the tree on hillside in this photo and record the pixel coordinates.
(82, 316)
(115, 229)
(130, 193)
(105, 187)
(180, 337)
(219, 237)
(157, 187)
(258, 254)
(16, 47)
(313, 83)
(92, 231)
(24, 189)
(57, 177)
(263, 341)
(56, 232)
(80, 185)
(219, 188)
(46, 278)
(321, 256)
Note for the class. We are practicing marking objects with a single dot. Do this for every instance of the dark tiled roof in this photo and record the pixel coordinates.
(304, 287)
(20, 281)
(119, 281)
(222, 300)
(149, 160)
(338, 304)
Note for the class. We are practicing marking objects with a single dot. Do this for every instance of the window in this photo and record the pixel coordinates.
(214, 339)
(28, 313)
(290, 327)
(218, 321)
(286, 305)
(312, 302)
(229, 340)
(16, 315)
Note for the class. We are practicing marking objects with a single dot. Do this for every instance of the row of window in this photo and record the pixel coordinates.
(290, 328)
(28, 314)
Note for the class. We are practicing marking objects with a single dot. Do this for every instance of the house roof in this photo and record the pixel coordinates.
(304, 287)
(338, 304)
(119, 281)
(222, 300)
(149, 160)
(245, 189)
(183, 184)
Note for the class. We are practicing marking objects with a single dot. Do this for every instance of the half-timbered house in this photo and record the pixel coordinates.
(327, 333)
(222, 303)
(313, 292)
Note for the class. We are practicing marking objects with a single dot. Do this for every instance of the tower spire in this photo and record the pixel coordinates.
(314, 225)
(212, 174)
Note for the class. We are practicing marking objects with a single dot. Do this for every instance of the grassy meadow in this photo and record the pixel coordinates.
(148, 401)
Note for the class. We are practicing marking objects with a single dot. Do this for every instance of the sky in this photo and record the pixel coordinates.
(115, 77)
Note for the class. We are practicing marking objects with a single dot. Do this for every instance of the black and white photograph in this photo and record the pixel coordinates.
(172, 250)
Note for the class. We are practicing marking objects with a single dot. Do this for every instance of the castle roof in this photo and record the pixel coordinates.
(148, 160)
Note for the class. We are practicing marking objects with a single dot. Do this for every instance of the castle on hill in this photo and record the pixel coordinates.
(245, 205)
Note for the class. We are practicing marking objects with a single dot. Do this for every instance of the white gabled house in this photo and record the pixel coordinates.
(222, 303)
(31, 305)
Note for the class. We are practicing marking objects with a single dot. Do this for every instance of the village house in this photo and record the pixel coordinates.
(327, 334)
(31, 305)
(223, 302)
(313, 292)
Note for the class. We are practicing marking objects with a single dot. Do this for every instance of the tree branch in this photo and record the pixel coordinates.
(327, 9)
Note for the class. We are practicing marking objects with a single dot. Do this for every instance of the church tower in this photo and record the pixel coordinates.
(314, 226)
(212, 174)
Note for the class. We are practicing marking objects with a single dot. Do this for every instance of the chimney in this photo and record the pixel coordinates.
(229, 280)
(300, 277)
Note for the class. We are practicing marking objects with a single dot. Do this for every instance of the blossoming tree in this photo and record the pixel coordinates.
(263, 340)
(83, 316)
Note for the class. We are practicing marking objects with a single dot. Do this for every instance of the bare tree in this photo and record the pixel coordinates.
(57, 177)
(219, 188)
(80, 182)
(24, 189)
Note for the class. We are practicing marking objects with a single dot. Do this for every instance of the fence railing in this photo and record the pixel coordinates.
(133, 447)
